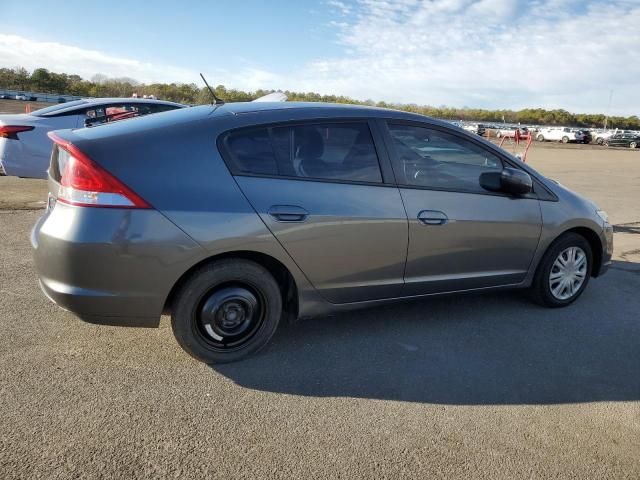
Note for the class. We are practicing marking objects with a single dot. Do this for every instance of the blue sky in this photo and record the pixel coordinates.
(187, 34)
(478, 53)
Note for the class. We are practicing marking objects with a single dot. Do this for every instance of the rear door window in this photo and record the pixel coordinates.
(324, 151)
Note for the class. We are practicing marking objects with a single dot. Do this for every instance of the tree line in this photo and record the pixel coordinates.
(43, 80)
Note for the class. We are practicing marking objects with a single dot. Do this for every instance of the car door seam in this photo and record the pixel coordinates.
(275, 237)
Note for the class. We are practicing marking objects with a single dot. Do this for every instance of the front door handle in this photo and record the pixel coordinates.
(288, 213)
(432, 217)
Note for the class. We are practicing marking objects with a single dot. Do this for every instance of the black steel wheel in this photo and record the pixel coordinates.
(228, 316)
(226, 311)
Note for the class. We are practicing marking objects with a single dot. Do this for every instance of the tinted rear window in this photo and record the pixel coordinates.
(52, 110)
(329, 151)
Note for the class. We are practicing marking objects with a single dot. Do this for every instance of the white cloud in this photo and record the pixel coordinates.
(20, 51)
(491, 53)
(342, 7)
(30, 54)
(478, 53)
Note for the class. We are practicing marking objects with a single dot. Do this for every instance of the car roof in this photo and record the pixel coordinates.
(315, 109)
(252, 107)
(247, 114)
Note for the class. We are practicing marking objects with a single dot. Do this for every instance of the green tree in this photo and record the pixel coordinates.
(100, 85)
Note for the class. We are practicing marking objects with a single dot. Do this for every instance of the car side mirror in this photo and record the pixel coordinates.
(509, 180)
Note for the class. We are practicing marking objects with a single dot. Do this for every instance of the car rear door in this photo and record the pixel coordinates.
(325, 192)
(460, 236)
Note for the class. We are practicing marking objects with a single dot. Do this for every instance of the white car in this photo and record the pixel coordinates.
(25, 149)
(601, 136)
(22, 96)
(564, 135)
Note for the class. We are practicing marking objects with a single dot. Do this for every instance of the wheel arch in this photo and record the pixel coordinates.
(285, 280)
(594, 242)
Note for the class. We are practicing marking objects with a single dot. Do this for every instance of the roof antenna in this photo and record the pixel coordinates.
(217, 101)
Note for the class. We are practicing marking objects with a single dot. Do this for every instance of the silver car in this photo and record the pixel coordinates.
(24, 146)
(234, 217)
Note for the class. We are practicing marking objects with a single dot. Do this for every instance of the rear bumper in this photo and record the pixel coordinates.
(110, 266)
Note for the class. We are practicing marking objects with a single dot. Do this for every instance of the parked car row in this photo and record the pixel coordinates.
(19, 96)
(25, 98)
(618, 138)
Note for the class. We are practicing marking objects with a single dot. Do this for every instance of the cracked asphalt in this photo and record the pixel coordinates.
(475, 386)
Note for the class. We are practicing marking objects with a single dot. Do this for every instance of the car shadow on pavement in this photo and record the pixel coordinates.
(496, 348)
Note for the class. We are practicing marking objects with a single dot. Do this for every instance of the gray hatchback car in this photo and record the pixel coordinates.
(234, 217)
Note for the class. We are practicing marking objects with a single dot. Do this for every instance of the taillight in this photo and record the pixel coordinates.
(84, 183)
(11, 131)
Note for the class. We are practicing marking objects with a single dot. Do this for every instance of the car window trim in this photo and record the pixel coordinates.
(387, 179)
(314, 179)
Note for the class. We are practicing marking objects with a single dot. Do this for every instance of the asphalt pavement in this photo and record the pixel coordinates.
(475, 386)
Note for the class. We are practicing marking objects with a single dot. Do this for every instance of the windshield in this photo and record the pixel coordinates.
(54, 108)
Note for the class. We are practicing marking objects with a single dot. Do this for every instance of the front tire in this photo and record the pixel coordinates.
(540, 138)
(226, 311)
(633, 145)
(563, 272)
(565, 139)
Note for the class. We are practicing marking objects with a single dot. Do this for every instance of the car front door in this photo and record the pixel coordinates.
(460, 235)
(320, 189)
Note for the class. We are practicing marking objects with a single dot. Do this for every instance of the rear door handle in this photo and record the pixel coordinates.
(433, 217)
(288, 213)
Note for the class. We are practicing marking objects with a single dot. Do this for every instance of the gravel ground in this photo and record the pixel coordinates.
(478, 386)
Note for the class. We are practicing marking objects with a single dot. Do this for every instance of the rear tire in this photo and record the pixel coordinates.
(226, 311)
(565, 139)
(540, 138)
(633, 145)
(547, 288)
